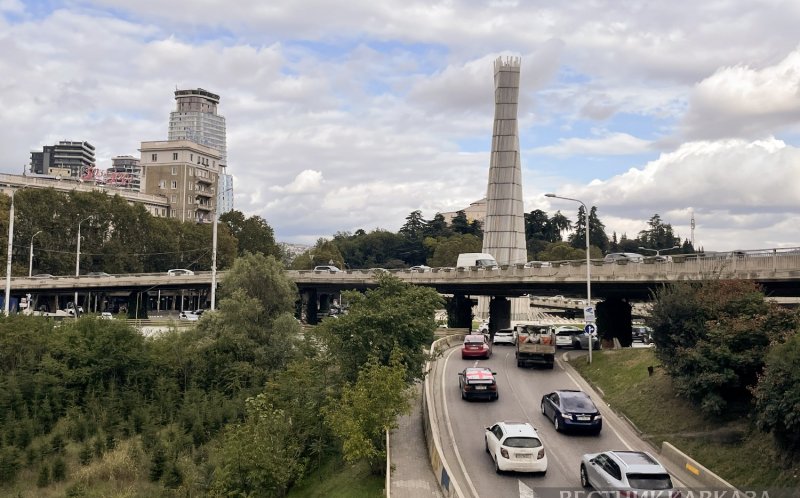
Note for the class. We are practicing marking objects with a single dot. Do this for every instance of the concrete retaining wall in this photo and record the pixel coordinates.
(441, 469)
(689, 464)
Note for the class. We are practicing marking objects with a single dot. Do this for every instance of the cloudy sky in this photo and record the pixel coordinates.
(352, 114)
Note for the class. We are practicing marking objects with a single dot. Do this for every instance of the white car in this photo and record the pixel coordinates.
(505, 336)
(179, 271)
(564, 336)
(328, 268)
(420, 268)
(106, 315)
(515, 446)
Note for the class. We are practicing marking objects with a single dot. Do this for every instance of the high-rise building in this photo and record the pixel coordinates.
(186, 173)
(66, 159)
(125, 173)
(195, 118)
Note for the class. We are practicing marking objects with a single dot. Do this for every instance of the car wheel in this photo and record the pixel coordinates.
(497, 467)
(486, 443)
(543, 413)
(543, 473)
(556, 423)
(519, 364)
(496, 396)
(584, 477)
(550, 366)
(576, 345)
(596, 432)
(463, 395)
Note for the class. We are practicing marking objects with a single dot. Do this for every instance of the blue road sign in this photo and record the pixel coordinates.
(590, 328)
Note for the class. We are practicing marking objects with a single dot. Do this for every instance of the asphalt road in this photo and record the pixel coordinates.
(462, 425)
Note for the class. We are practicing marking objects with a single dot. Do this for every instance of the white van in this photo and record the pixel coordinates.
(478, 259)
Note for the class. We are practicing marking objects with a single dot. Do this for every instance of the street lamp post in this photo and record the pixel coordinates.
(78, 264)
(8, 260)
(588, 261)
(658, 251)
(30, 260)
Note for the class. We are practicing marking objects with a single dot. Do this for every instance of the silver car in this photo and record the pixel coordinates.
(505, 336)
(635, 471)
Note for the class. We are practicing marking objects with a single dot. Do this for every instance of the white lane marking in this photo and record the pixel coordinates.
(450, 427)
(554, 458)
(606, 422)
(525, 491)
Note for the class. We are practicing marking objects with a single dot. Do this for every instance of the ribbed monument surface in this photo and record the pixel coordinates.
(504, 228)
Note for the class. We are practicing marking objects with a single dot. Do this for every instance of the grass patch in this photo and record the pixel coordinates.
(650, 402)
(336, 479)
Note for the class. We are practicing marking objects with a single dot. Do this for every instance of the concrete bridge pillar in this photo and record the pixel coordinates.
(309, 306)
(614, 320)
(499, 314)
(459, 311)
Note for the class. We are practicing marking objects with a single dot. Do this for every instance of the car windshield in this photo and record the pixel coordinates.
(522, 442)
(649, 481)
(503, 332)
(577, 403)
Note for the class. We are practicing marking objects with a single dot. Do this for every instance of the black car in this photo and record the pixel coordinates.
(571, 409)
(477, 382)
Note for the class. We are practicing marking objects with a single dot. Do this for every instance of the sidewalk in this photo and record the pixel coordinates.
(411, 474)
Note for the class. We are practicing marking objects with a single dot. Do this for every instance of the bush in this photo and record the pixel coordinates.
(712, 338)
(777, 395)
(59, 469)
(9, 465)
(44, 476)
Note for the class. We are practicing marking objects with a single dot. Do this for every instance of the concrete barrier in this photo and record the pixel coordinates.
(441, 469)
(692, 466)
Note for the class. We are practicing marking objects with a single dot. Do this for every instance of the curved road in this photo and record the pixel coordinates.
(461, 424)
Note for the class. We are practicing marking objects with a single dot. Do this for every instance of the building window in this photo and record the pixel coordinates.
(173, 198)
(191, 157)
(174, 170)
(162, 184)
(191, 171)
(174, 184)
(154, 157)
(174, 156)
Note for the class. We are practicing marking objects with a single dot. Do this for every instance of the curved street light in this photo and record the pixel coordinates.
(30, 260)
(588, 260)
(658, 251)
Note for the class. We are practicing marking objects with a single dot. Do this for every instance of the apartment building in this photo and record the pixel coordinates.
(186, 173)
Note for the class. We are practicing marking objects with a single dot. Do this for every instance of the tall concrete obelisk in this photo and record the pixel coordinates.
(504, 228)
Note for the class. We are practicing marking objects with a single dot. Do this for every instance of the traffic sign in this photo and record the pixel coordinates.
(590, 328)
(588, 313)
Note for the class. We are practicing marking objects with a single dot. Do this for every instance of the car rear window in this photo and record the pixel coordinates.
(577, 403)
(522, 442)
(474, 339)
(649, 481)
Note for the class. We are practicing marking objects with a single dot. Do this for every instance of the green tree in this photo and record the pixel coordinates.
(396, 317)
(325, 252)
(367, 409)
(562, 251)
(777, 394)
(658, 235)
(253, 234)
(446, 251)
(261, 278)
(437, 227)
(261, 456)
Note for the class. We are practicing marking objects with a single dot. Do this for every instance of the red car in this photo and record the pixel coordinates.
(476, 346)
(477, 382)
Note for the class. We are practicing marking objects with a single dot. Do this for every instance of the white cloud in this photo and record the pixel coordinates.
(741, 192)
(307, 182)
(607, 144)
(741, 101)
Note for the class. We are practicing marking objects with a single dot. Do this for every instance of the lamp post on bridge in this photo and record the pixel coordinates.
(30, 260)
(588, 262)
(8, 260)
(78, 263)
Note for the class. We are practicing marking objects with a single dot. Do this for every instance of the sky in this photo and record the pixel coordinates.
(347, 115)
